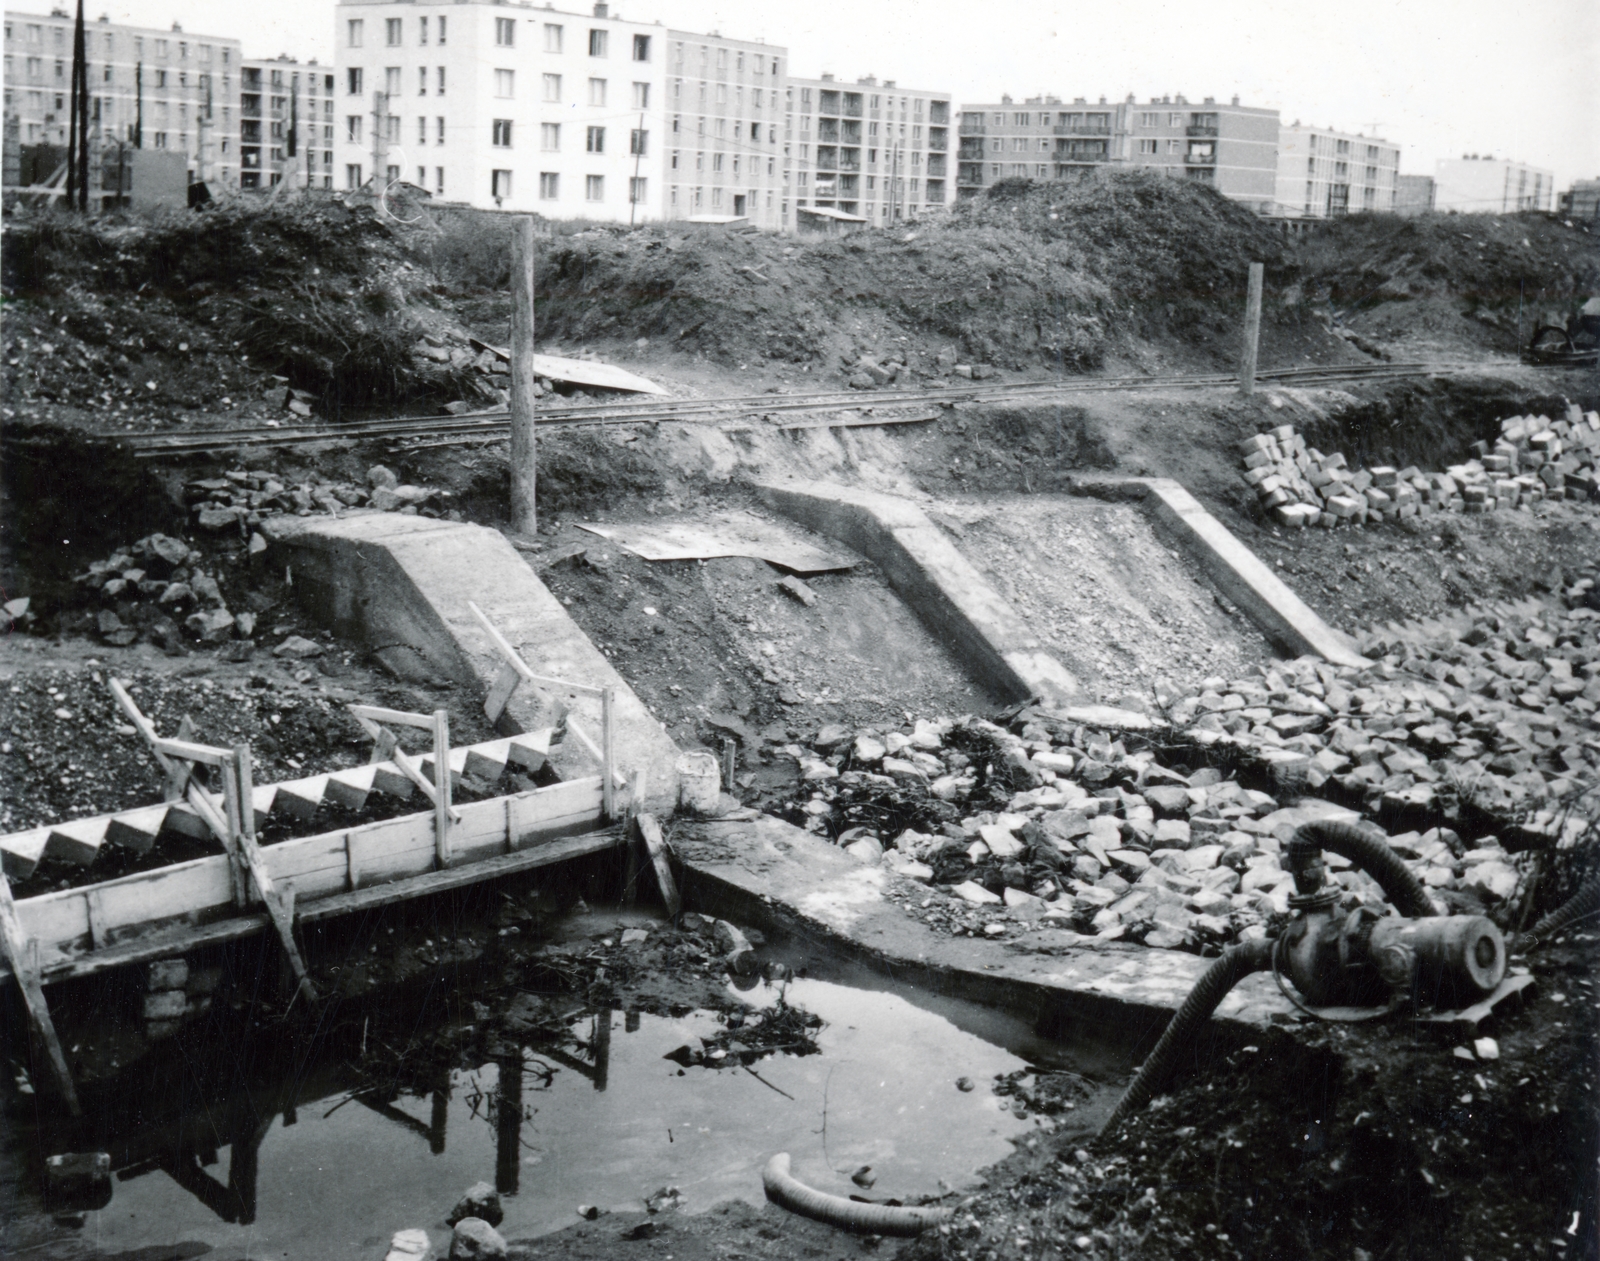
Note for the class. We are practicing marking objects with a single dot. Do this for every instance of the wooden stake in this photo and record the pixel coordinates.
(608, 753)
(656, 844)
(524, 461)
(441, 787)
(24, 967)
(1252, 331)
(631, 865)
(280, 909)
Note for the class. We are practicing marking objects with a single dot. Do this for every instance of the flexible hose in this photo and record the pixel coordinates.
(1235, 963)
(787, 1191)
(1585, 902)
(1370, 853)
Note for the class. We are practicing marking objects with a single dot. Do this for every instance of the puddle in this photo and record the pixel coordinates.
(605, 1119)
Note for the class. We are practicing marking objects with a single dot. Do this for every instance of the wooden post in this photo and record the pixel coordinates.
(22, 954)
(608, 753)
(634, 849)
(441, 786)
(524, 460)
(1252, 331)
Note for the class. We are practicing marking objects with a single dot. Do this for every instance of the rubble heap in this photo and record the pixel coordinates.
(147, 589)
(1455, 736)
(1535, 458)
(242, 498)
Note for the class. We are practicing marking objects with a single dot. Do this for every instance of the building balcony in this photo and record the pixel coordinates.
(972, 127)
(1195, 130)
(845, 164)
(939, 113)
(938, 144)
(1071, 130)
(1200, 159)
(852, 109)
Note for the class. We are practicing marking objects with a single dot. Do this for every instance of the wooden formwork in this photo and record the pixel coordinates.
(249, 888)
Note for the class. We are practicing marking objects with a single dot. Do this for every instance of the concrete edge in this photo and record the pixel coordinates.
(1235, 570)
(1118, 998)
(939, 584)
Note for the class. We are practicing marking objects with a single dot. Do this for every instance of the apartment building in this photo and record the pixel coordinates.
(1581, 202)
(1487, 185)
(159, 89)
(1231, 147)
(286, 122)
(1323, 173)
(560, 113)
(725, 104)
(876, 151)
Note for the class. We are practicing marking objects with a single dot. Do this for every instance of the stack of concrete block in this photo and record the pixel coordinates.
(1535, 458)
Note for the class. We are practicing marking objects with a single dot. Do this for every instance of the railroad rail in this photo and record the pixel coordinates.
(722, 409)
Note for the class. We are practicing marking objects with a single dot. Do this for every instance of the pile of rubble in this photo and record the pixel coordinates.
(242, 498)
(1535, 458)
(158, 587)
(1455, 730)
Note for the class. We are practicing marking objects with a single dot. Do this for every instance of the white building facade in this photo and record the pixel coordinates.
(159, 89)
(878, 151)
(1495, 186)
(1323, 173)
(563, 114)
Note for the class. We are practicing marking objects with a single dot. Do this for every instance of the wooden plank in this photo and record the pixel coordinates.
(16, 945)
(484, 761)
(387, 849)
(500, 690)
(531, 749)
(351, 788)
(514, 659)
(180, 940)
(442, 813)
(609, 779)
(302, 798)
(21, 851)
(656, 845)
(393, 717)
(137, 830)
(594, 749)
(76, 841)
(189, 751)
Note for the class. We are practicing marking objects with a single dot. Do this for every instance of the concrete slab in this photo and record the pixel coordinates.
(767, 873)
(931, 576)
(401, 584)
(1241, 576)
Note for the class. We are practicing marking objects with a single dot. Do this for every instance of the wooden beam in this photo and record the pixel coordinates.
(19, 954)
(279, 908)
(656, 845)
(594, 749)
(392, 717)
(514, 659)
(315, 867)
(441, 787)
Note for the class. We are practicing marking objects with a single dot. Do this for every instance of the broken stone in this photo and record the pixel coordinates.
(481, 1200)
(217, 518)
(297, 646)
(213, 626)
(971, 891)
(409, 1245)
(796, 589)
(476, 1240)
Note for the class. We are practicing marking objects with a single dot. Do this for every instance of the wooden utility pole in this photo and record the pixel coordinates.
(1252, 332)
(524, 461)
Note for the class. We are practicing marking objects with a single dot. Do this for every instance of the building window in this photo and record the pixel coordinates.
(391, 30)
(549, 186)
(505, 32)
(354, 32)
(501, 133)
(637, 189)
(716, 162)
(1174, 120)
(552, 37)
(352, 175)
(599, 42)
(1149, 147)
(552, 87)
(596, 140)
(422, 80)
(1174, 146)
(442, 30)
(352, 128)
(639, 143)
(391, 80)
(597, 91)
(550, 137)
(641, 48)
(505, 82)
(438, 79)
(392, 131)
(594, 187)
(439, 130)
(353, 80)
(422, 38)
(499, 184)
(641, 96)
(422, 135)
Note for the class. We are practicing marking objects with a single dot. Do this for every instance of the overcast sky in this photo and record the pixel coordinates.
(1512, 78)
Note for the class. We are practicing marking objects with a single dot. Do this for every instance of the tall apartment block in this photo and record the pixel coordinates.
(1494, 186)
(164, 89)
(285, 124)
(569, 115)
(877, 151)
(1323, 173)
(725, 105)
(1413, 195)
(1231, 147)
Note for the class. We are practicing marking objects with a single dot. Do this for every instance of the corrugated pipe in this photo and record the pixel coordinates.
(1370, 853)
(1583, 903)
(787, 1191)
(1235, 963)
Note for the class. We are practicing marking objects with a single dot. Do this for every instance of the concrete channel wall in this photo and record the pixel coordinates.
(936, 581)
(401, 585)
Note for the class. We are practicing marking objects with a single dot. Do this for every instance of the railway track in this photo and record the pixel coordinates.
(437, 430)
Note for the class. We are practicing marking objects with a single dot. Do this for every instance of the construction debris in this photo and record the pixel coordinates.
(1534, 459)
